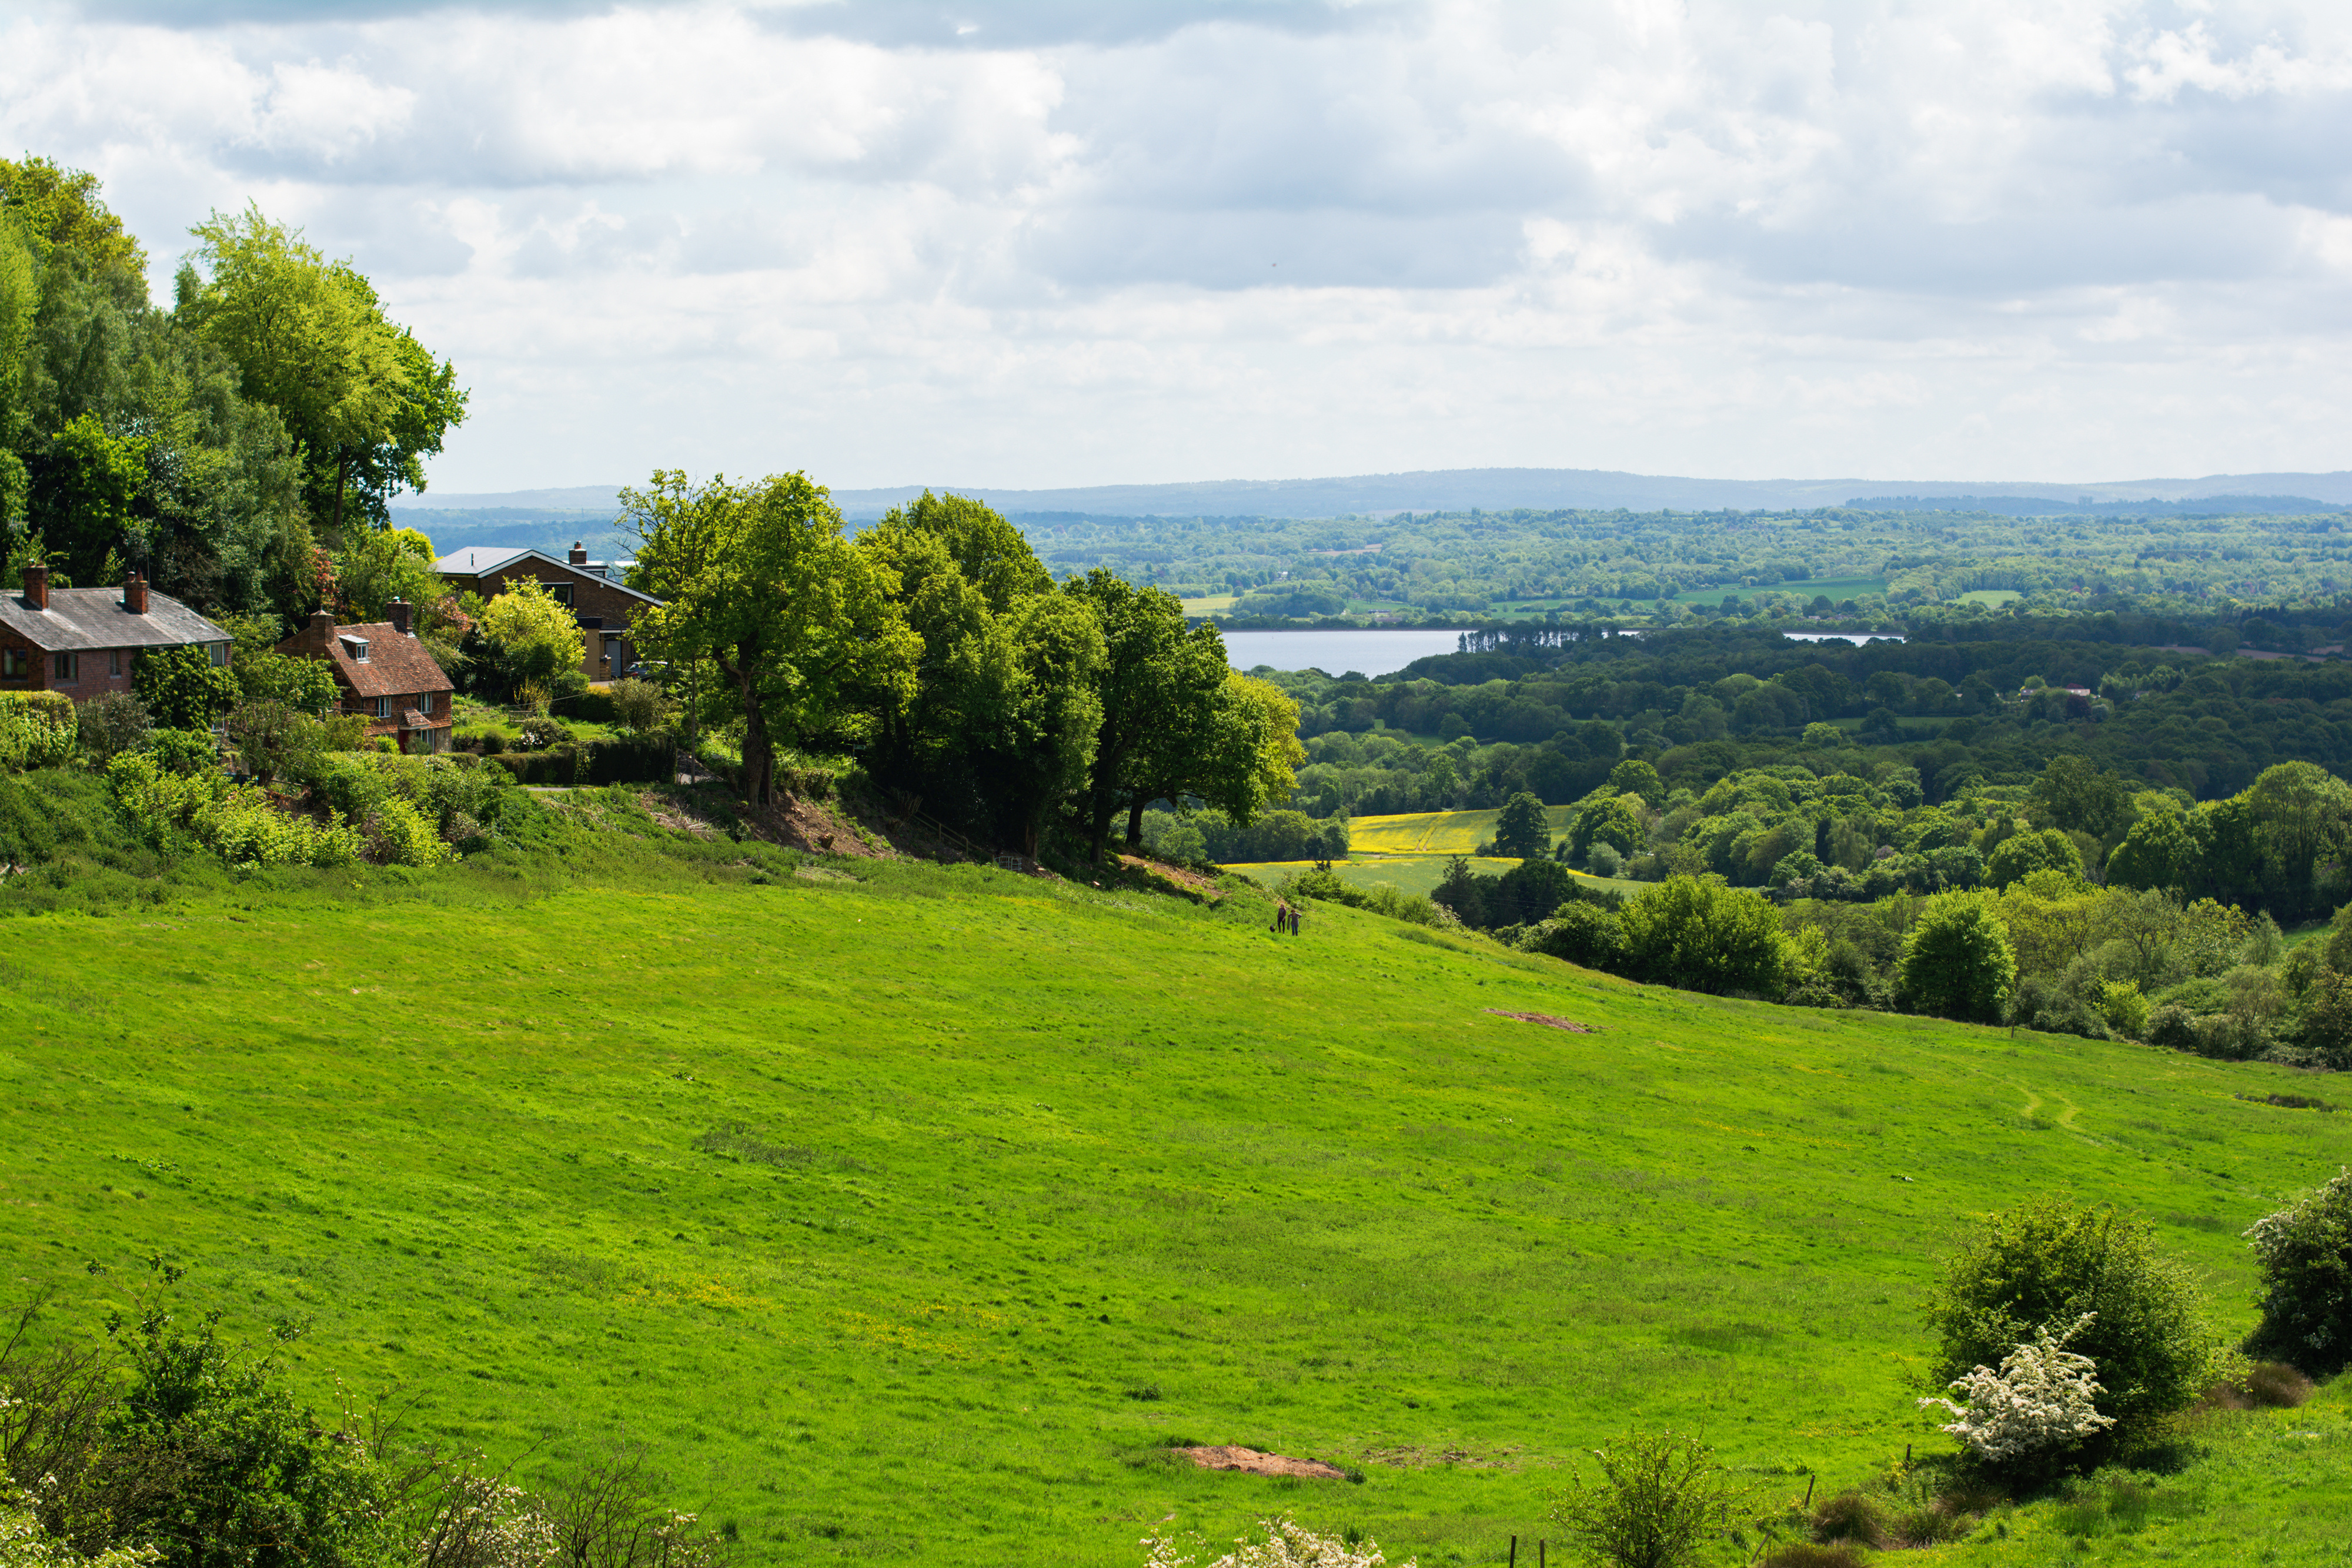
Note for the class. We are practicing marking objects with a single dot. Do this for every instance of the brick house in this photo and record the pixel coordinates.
(386, 675)
(80, 641)
(593, 589)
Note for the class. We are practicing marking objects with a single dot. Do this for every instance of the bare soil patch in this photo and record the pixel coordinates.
(1228, 1457)
(1545, 1019)
(1193, 879)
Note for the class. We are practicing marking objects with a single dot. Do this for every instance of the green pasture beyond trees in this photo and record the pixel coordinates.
(907, 1212)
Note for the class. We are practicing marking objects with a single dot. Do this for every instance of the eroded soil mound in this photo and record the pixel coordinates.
(1227, 1458)
(1545, 1019)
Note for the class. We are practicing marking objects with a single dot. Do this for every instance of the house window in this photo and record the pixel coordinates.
(114, 661)
(425, 704)
(14, 664)
(383, 707)
(220, 655)
(562, 591)
(62, 668)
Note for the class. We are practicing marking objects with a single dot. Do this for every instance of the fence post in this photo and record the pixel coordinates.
(1514, 1551)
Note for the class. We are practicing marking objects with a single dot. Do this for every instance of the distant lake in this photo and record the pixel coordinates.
(1368, 652)
(1855, 637)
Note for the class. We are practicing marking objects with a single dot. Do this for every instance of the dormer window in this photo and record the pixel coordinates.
(357, 648)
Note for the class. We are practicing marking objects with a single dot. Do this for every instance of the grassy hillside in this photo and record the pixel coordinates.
(907, 1212)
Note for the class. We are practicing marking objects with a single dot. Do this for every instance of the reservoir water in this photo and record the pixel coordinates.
(1372, 652)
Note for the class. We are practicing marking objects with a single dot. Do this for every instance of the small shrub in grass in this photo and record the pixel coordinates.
(2305, 1253)
(2264, 1385)
(1652, 1502)
(1850, 1518)
(1806, 1554)
(1286, 1545)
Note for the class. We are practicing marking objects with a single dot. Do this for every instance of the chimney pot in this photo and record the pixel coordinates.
(579, 553)
(37, 587)
(397, 613)
(134, 594)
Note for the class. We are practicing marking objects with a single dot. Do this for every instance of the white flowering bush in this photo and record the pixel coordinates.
(2043, 1397)
(24, 1544)
(1286, 1545)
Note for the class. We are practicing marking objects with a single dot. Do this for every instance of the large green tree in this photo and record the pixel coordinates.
(1160, 689)
(363, 400)
(758, 580)
(1957, 960)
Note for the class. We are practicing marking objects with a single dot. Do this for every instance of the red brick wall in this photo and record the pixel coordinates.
(93, 672)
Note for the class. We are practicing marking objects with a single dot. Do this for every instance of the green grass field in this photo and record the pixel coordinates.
(1013, 1181)
(1992, 597)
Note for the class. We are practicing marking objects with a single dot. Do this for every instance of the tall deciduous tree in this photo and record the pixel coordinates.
(1957, 960)
(365, 401)
(759, 579)
(1159, 690)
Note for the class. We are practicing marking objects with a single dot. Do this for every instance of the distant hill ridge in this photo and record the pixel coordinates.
(1492, 489)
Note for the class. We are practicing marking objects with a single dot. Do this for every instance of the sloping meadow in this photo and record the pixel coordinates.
(906, 1211)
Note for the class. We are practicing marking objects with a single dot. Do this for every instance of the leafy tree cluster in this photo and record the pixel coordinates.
(238, 449)
(937, 648)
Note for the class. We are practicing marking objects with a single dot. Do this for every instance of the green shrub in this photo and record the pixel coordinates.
(1654, 1502)
(1579, 932)
(235, 821)
(639, 704)
(182, 750)
(182, 687)
(2305, 1253)
(110, 723)
(2046, 1264)
(1703, 937)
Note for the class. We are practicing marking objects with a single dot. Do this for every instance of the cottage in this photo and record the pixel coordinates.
(602, 605)
(385, 675)
(80, 641)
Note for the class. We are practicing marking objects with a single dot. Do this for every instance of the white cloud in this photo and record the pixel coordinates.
(1037, 243)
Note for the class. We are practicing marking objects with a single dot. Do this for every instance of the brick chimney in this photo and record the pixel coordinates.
(318, 637)
(37, 587)
(134, 594)
(397, 612)
(579, 553)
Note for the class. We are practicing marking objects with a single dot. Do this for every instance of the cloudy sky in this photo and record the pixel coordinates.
(1068, 242)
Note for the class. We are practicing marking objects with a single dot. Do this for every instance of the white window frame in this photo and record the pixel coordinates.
(563, 592)
(383, 707)
(425, 704)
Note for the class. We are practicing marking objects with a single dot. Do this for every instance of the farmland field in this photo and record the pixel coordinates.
(1437, 832)
(905, 1212)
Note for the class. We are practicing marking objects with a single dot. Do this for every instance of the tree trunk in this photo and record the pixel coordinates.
(343, 473)
(1135, 822)
(1100, 811)
(759, 755)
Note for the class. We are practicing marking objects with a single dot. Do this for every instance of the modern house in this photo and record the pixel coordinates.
(386, 675)
(604, 606)
(79, 640)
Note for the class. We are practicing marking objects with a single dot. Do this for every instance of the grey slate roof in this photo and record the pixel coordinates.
(85, 619)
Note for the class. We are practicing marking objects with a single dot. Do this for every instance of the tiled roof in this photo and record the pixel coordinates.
(397, 665)
(81, 618)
